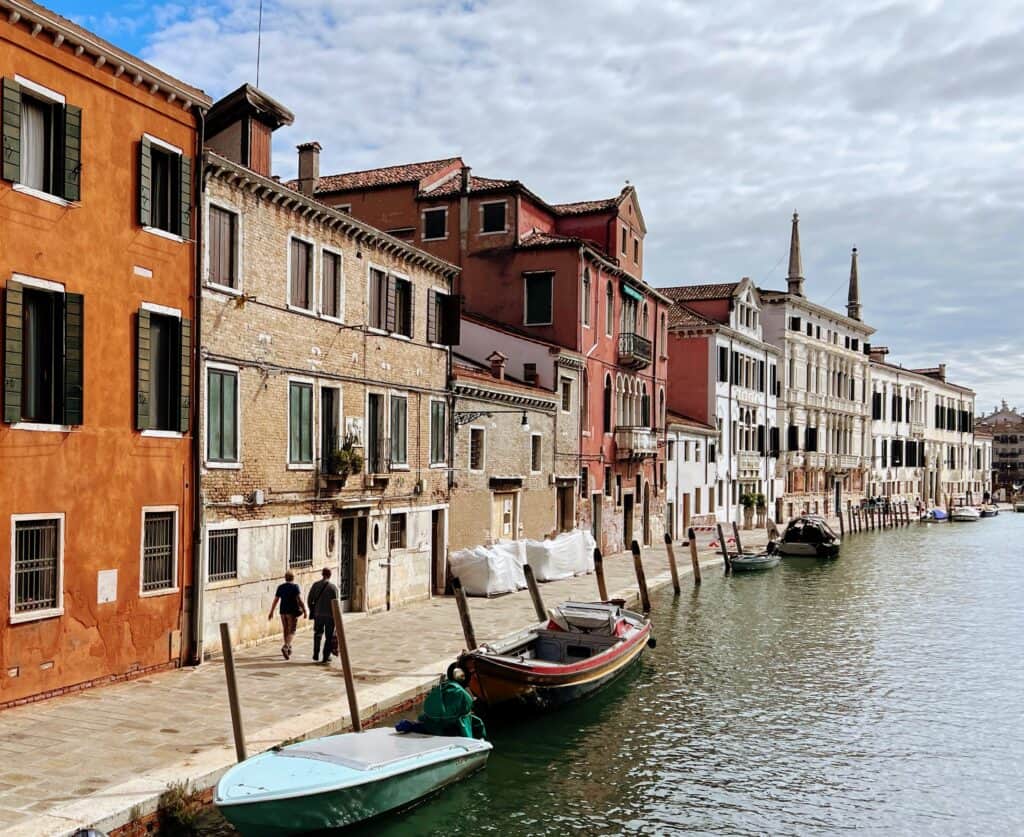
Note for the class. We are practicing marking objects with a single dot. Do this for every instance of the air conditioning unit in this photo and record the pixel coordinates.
(258, 497)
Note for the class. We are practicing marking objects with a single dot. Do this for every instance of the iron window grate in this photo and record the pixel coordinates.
(300, 553)
(158, 551)
(223, 557)
(36, 565)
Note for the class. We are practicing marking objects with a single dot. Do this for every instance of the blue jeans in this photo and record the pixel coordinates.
(323, 625)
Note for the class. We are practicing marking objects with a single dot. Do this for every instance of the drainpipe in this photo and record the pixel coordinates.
(196, 640)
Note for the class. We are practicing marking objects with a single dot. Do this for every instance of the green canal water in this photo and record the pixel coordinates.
(879, 693)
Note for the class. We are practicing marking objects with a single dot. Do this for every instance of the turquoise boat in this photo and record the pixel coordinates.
(339, 780)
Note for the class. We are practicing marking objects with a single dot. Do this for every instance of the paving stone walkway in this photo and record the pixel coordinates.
(97, 758)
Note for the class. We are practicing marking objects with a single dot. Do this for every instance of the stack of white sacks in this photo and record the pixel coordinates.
(493, 570)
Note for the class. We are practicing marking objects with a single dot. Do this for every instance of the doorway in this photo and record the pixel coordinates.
(438, 552)
(627, 520)
(566, 501)
(330, 410)
(346, 561)
(647, 514)
(839, 496)
(504, 515)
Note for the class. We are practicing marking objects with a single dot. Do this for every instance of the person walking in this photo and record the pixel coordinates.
(289, 596)
(321, 595)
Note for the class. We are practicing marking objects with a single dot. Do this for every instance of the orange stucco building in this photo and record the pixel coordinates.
(97, 268)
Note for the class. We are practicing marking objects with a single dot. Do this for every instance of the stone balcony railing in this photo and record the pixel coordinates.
(747, 461)
(917, 428)
(635, 442)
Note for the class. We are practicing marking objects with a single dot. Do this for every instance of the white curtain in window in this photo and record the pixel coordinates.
(33, 144)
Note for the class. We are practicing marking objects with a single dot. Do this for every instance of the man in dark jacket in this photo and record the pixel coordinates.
(321, 594)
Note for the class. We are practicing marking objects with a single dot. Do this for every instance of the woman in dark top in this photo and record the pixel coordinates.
(290, 597)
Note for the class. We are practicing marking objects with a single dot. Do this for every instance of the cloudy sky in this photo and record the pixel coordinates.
(894, 127)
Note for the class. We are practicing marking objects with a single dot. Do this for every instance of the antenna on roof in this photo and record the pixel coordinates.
(259, 43)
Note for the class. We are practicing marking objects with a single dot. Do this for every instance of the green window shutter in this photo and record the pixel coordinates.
(142, 372)
(74, 341)
(390, 316)
(145, 184)
(12, 352)
(186, 197)
(185, 392)
(411, 316)
(432, 306)
(72, 153)
(12, 130)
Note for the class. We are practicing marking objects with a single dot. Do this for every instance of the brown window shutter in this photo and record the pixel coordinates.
(186, 196)
(451, 320)
(411, 315)
(389, 318)
(12, 131)
(432, 303)
(12, 352)
(74, 370)
(72, 153)
(145, 186)
(185, 391)
(142, 371)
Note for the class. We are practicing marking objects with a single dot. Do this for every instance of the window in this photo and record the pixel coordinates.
(811, 439)
(300, 545)
(41, 139)
(609, 309)
(163, 370)
(165, 187)
(711, 452)
(300, 423)
(607, 404)
(300, 275)
(38, 559)
(399, 310)
(686, 451)
(539, 298)
(794, 324)
(723, 364)
(618, 489)
(43, 354)
(221, 415)
(636, 250)
(492, 217)
(584, 482)
(536, 446)
(435, 223)
(222, 236)
(696, 452)
(222, 559)
(625, 239)
(586, 298)
(670, 451)
(810, 330)
(438, 433)
(330, 285)
(378, 299)
(397, 534)
(607, 481)
(566, 395)
(159, 550)
(399, 427)
(476, 449)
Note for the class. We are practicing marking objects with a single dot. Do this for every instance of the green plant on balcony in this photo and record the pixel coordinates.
(759, 501)
(747, 499)
(345, 460)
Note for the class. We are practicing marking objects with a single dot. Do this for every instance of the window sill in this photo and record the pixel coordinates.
(36, 615)
(163, 591)
(438, 466)
(300, 466)
(223, 466)
(164, 234)
(399, 467)
(437, 238)
(223, 289)
(41, 195)
(533, 325)
(330, 319)
(298, 309)
(399, 336)
(221, 583)
(40, 427)
(475, 470)
(163, 434)
(493, 232)
(374, 330)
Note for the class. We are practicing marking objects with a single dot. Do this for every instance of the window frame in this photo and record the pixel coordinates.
(15, 618)
(372, 268)
(483, 449)
(483, 215)
(300, 466)
(609, 310)
(175, 552)
(540, 453)
(167, 148)
(227, 464)
(423, 223)
(393, 518)
(565, 393)
(392, 396)
(170, 313)
(312, 310)
(224, 206)
(534, 274)
(225, 526)
(301, 520)
(411, 308)
(327, 250)
(586, 294)
(443, 461)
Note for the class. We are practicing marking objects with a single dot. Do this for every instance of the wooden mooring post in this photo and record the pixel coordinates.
(671, 550)
(694, 559)
(346, 666)
(538, 602)
(736, 537)
(602, 588)
(641, 579)
(233, 703)
(842, 529)
(467, 623)
(725, 548)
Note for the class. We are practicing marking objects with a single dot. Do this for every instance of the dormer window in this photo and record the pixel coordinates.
(492, 217)
(435, 223)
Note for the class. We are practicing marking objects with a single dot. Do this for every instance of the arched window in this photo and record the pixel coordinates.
(585, 401)
(645, 406)
(664, 334)
(609, 309)
(586, 296)
(607, 403)
(620, 400)
(644, 322)
(663, 419)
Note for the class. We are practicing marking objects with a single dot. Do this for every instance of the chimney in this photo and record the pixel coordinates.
(795, 280)
(464, 176)
(942, 372)
(853, 297)
(530, 373)
(497, 361)
(309, 167)
(878, 353)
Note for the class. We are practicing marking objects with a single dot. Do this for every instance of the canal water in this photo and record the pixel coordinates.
(880, 692)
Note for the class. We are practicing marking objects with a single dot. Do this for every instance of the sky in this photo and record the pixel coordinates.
(894, 127)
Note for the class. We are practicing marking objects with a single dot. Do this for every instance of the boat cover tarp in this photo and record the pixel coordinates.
(571, 553)
(373, 749)
(490, 570)
(597, 618)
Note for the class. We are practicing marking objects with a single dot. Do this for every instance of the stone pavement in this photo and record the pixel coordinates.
(102, 757)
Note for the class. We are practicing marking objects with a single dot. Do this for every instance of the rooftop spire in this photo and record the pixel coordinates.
(795, 280)
(853, 298)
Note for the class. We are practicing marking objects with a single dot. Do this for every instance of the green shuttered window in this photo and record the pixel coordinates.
(163, 372)
(222, 415)
(300, 423)
(399, 430)
(165, 188)
(438, 433)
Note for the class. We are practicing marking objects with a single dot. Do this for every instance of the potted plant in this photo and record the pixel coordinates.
(761, 505)
(747, 501)
(345, 460)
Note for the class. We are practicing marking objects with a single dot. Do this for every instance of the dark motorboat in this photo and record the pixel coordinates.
(809, 537)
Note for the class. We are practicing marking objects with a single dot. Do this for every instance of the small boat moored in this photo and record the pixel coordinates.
(989, 510)
(809, 537)
(965, 514)
(750, 562)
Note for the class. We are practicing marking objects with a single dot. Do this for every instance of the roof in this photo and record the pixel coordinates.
(74, 35)
(681, 316)
(694, 293)
(243, 101)
(692, 423)
(386, 176)
(586, 207)
(453, 185)
(536, 238)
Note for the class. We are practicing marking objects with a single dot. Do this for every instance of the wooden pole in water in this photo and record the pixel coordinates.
(467, 623)
(602, 588)
(671, 550)
(641, 579)
(736, 535)
(694, 560)
(725, 548)
(346, 666)
(538, 602)
(839, 514)
(233, 704)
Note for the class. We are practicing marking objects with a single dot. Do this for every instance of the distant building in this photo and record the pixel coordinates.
(691, 472)
(1006, 424)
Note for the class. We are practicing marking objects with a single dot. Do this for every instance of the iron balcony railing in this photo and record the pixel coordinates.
(634, 350)
(378, 455)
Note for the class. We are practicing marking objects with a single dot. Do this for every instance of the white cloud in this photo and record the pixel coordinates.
(892, 126)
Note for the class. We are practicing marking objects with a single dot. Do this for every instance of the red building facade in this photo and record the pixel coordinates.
(569, 274)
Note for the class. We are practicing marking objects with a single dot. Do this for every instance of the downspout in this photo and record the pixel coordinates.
(198, 517)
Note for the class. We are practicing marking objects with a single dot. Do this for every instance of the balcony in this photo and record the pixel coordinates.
(917, 428)
(747, 461)
(634, 350)
(635, 442)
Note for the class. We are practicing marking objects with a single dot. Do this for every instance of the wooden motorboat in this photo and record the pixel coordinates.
(965, 514)
(749, 561)
(989, 510)
(809, 537)
(1018, 507)
(581, 648)
(332, 782)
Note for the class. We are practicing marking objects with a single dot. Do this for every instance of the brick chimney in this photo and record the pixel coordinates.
(497, 361)
(878, 353)
(942, 372)
(309, 167)
(465, 180)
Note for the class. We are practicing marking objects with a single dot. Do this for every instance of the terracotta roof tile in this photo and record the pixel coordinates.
(584, 207)
(686, 421)
(682, 316)
(536, 238)
(386, 176)
(692, 293)
(476, 184)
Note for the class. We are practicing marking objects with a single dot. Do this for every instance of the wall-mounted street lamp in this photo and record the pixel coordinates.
(466, 418)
